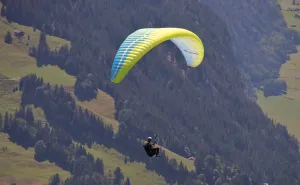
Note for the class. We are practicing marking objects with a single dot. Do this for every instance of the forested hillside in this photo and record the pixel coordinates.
(204, 109)
(261, 39)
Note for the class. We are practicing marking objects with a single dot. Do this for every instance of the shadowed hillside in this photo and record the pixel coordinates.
(204, 109)
(284, 109)
(102, 106)
(261, 40)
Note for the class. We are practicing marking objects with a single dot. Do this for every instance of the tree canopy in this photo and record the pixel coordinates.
(205, 109)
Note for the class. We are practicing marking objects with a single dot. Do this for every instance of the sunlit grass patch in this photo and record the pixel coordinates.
(20, 163)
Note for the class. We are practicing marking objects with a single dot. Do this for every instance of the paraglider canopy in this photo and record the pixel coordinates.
(140, 42)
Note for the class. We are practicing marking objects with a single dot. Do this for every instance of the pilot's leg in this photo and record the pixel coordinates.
(156, 151)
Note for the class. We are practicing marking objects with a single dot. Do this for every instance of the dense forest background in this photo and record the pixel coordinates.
(205, 109)
(261, 41)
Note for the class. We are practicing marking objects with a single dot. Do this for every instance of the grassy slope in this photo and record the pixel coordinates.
(15, 62)
(285, 109)
(103, 106)
(289, 15)
(135, 171)
(19, 163)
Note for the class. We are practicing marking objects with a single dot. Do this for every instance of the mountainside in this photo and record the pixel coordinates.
(17, 164)
(261, 40)
(15, 64)
(204, 109)
(285, 108)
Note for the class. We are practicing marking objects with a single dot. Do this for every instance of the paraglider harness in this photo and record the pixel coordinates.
(150, 149)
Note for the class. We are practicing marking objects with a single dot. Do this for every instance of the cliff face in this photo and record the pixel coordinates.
(261, 41)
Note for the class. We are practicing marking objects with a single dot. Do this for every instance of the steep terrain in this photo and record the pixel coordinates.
(206, 103)
(15, 63)
(17, 164)
(261, 40)
(285, 108)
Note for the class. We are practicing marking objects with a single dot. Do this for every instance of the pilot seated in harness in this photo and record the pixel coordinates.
(150, 148)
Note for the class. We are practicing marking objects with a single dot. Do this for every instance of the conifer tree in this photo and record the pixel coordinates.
(8, 38)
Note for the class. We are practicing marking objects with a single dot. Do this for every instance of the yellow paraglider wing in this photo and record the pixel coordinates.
(140, 42)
